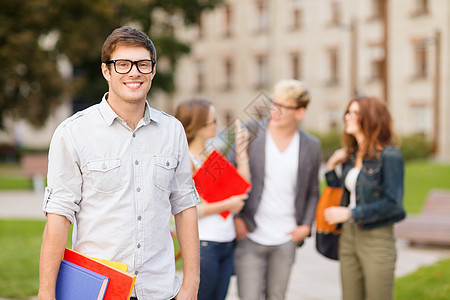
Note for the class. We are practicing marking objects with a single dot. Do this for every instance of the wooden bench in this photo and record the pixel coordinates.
(35, 166)
(432, 225)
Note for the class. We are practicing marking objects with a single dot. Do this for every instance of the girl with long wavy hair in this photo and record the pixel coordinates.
(372, 201)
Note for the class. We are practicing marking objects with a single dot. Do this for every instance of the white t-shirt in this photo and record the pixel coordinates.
(214, 228)
(350, 184)
(275, 216)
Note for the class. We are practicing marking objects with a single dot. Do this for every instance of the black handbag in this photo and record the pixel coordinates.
(327, 235)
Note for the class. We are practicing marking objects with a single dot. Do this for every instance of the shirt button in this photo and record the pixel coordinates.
(139, 218)
(136, 272)
(138, 246)
(136, 162)
(134, 134)
(167, 163)
(138, 189)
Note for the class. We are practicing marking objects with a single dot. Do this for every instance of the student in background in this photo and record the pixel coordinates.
(277, 216)
(117, 171)
(372, 201)
(216, 234)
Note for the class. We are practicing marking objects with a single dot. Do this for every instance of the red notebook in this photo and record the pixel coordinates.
(120, 283)
(217, 179)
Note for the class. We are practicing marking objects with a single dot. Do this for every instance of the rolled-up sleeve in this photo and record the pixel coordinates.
(64, 180)
(183, 193)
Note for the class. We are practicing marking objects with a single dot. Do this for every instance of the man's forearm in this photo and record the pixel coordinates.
(52, 249)
(187, 232)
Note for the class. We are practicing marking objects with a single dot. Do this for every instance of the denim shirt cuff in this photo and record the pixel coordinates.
(332, 179)
(357, 214)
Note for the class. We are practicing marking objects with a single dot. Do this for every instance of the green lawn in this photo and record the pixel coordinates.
(20, 242)
(15, 183)
(12, 178)
(420, 178)
(432, 282)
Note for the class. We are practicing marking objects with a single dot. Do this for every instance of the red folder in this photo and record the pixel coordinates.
(217, 179)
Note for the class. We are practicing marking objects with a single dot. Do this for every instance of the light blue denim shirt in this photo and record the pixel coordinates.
(379, 189)
(119, 187)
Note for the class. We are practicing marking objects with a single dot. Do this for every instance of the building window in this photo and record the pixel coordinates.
(297, 18)
(200, 84)
(376, 70)
(422, 116)
(296, 66)
(376, 59)
(334, 117)
(376, 9)
(228, 20)
(333, 63)
(262, 17)
(228, 66)
(336, 13)
(420, 59)
(261, 71)
(421, 8)
(200, 31)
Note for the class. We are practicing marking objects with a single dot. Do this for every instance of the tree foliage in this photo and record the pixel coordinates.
(31, 86)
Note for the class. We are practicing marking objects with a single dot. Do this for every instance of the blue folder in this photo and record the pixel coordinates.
(76, 283)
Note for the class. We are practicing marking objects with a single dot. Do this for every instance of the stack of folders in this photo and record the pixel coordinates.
(84, 277)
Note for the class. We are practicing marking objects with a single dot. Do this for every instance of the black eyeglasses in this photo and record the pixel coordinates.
(124, 66)
(282, 106)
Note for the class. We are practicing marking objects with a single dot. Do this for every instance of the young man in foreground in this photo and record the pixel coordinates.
(117, 171)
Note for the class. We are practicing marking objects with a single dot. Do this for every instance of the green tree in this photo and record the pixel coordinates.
(31, 86)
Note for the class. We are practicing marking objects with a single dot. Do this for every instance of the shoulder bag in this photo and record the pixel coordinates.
(327, 235)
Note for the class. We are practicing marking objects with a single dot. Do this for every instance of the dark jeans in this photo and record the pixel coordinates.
(216, 268)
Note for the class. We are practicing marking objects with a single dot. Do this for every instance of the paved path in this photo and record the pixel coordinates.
(21, 204)
(313, 276)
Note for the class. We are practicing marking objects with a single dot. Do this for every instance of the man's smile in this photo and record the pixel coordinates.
(133, 85)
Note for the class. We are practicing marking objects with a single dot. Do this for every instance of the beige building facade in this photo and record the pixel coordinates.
(397, 50)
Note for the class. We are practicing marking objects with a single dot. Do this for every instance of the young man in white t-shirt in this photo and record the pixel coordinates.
(277, 216)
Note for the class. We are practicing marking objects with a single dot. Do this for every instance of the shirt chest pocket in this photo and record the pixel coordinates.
(371, 173)
(106, 175)
(164, 171)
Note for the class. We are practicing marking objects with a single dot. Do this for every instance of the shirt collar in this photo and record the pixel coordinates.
(107, 112)
(151, 114)
(109, 115)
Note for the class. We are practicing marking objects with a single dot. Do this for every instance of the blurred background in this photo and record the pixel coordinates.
(231, 52)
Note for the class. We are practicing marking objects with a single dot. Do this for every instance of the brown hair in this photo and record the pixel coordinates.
(127, 36)
(193, 114)
(376, 124)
